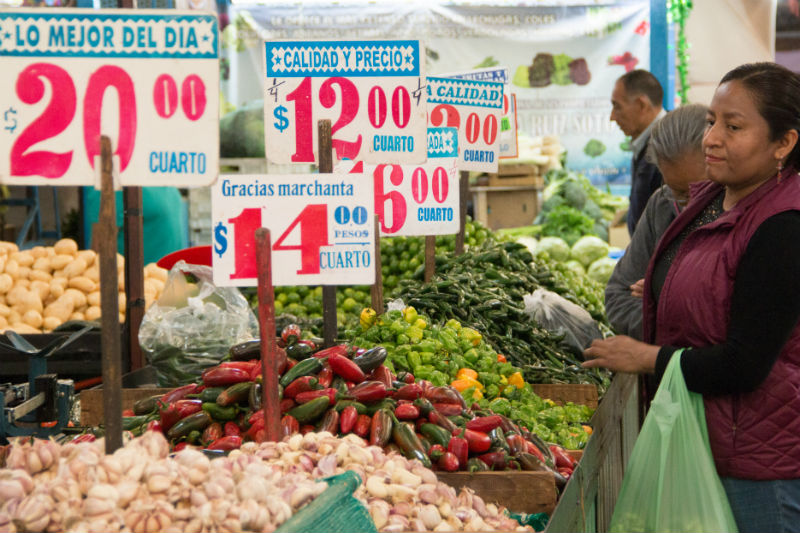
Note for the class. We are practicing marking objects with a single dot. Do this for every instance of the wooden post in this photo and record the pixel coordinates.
(266, 326)
(325, 155)
(376, 291)
(430, 257)
(134, 274)
(106, 234)
(463, 192)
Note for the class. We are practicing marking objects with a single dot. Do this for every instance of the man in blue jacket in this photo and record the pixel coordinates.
(635, 106)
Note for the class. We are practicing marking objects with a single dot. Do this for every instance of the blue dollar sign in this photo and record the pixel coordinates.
(220, 242)
(282, 122)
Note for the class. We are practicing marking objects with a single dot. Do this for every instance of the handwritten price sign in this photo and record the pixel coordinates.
(322, 228)
(474, 107)
(372, 91)
(417, 199)
(147, 80)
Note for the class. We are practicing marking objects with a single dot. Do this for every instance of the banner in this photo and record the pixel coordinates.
(563, 58)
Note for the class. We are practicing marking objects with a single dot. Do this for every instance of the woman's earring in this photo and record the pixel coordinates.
(780, 169)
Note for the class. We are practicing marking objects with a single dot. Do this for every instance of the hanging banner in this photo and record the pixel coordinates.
(370, 90)
(321, 226)
(563, 59)
(149, 80)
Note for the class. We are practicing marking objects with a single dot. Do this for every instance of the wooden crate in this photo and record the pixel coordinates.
(506, 207)
(519, 492)
(92, 402)
(561, 394)
(516, 174)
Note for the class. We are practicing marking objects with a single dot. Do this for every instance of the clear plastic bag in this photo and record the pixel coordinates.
(671, 483)
(193, 324)
(558, 315)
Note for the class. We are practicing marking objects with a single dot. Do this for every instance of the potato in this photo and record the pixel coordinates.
(90, 256)
(23, 273)
(66, 246)
(50, 323)
(3, 323)
(157, 284)
(78, 297)
(23, 328)
(154, 271)
(82, 283)
(93, 313)
(42, 288)
(8, 247)
(62, 308)
(93, 273)
(14, 316)
(122, 302)
(120, 262)
(16, 294)
(42, 264)
(51, 252)
(57, 288)
(6, 283)
(77, 315)
(33, 318)
(121, 281)
(12, 268)
(40, 275)
(59, 274)
(4, 310)
(93, 298)
(22, 283)
(30, 300)
(23, 258)
(75, 268)
(60, 261)
(39, 252)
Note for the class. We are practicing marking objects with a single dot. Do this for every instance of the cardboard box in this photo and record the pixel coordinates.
(519, 492)
(618, 236)
(506, 207)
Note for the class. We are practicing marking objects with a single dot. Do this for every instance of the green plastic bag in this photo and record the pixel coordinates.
(671, 484)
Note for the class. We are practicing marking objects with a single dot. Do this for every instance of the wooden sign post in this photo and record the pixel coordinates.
(330, 328)
(266, 325)
(463, 192)
(376, 291)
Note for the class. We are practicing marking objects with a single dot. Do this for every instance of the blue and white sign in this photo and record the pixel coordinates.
(475, 108)
(149, 80)
(442, 142)
(321, 226)
(372, 92)
(496, 74)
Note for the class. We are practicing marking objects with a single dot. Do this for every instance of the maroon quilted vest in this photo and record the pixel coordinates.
(754, 435)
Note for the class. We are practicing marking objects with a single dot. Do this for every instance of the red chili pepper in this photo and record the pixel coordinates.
(436, 452)
(443, 395)
(566, 472)
(212, 433)
(459, 447)
(187, 407)
(407, 411)
(382, 374)
(494, 460)
(368, 391)
(516, 443)
(325, 377)
(291, 333)
(286, 405)
(342, 366)
(308, 343)
(232, 430)
(181, 445)
(153, 425)
(411, 392)
(442, 421)
(563, 459)
(227, 443)
(257, 425)
(170, 415)
(478, 442)
(449, 409)
(485, 423)
(247, 366)
(85, 437)
(406, 377)
(307, 428)
(289, 363)
(362, 426)
(534, 450)
(289, 425)
(329, 422)
(448, 462)
(347, 419)
(418, 423)
(222, 377)
(301, 384)
(179, 393)
(305, 397)
(339, 349)
(128, 412)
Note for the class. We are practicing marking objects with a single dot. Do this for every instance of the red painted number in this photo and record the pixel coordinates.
(304, 140)
(244, 243)
(489, 129)
(440, 185)
(376, 107)
(165, 96)
(55, 119)
(474, 128)
(401, 107)
(442, 111)
(193, 97)
(419, 185)
(396, 200)
(103, 78)
(313, 222)
(349, 108)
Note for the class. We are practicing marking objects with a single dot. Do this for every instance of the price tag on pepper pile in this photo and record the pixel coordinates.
(474, 107)
(146, 79)
(322, 228)
(372, 91)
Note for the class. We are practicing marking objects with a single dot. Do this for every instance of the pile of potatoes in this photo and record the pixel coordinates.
(46, 286)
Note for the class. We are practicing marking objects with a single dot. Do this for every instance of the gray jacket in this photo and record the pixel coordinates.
(623, 310)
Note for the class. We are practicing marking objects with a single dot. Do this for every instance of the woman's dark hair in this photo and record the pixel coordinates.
(776, 90)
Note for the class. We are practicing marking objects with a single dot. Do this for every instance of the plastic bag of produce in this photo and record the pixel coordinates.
(671, 483)
(193, 324)
(558, 315)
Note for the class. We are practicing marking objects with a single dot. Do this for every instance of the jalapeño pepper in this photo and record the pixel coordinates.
(460, 448)
(360, 408)
(234, 394)
(436, 434)
(403, 435)
(223, 377)
(219, 412)
(289, 425)
(485, 423)
(368, 391)
(347, 418)
(146, 405)
(194, 422)
(347, 369)
(371, 359)
(306, 367)
(386, 403)
(408, 392)
(362, 427)
(227, 443)
(212, 433)
(380, 430)
(305, 397)
(301, 384)
(310, 411)
(329, 422)
(209, 394)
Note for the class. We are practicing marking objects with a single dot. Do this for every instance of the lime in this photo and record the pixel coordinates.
(281, 297)
(293, 297)
(278, 307)
(350, 304)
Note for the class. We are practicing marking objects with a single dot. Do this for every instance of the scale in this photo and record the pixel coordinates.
(41, 407)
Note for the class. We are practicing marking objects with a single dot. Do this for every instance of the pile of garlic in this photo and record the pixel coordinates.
(49, 487)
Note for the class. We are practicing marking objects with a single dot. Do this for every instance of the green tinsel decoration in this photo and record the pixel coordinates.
(678, 13)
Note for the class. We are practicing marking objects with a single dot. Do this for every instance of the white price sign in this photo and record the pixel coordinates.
(371, 91)
(321, 227)
(147, 79)
(418, 199)
(474, 107)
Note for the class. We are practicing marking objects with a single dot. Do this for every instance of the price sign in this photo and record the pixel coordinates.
(508, 120)
(322, 228)
(146, 79)
(372, 91)
(417, 199)
(474, 107)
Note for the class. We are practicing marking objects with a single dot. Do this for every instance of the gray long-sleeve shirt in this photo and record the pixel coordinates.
(624, 311)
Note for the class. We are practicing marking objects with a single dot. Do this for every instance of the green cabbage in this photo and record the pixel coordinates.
(575, 266)
(589, 249)
(601, 269)
(555, 247)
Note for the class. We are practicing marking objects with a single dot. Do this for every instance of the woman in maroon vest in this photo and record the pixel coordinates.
(724, 283)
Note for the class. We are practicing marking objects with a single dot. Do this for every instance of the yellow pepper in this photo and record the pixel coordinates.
(471, 335)
(477, 395)
(367, 317)
(517, 380)
(464, 383)
(421, 323)
(467, 372)
(410, 314)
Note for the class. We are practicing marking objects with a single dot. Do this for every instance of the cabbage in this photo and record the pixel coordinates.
(589, 249)
(576, 267)
(556, 248)
(601, 269)
(529, 242)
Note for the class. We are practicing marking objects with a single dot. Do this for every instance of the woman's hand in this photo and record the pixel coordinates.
(637, 289)
(621, 354)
